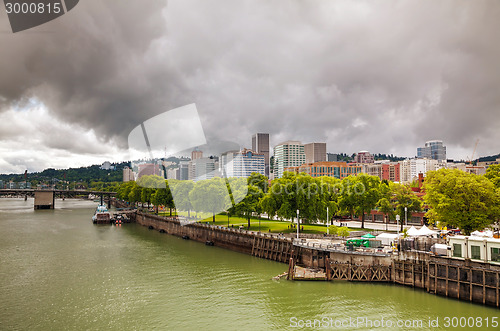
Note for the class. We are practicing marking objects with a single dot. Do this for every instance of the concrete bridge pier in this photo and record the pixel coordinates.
(44, 199)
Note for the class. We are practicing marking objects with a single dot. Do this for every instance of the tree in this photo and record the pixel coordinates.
(493, 174)
(280, 200)
(311, 196)
(386, 206)
(149, 186)
(124, 190)
(395, 197)
(329, 193)
(163, 196)
(343, 231)
(250, 203)
(210, 195)
(360, 194)
(134, 194)
(258, 180)
(180, 191)
(459, 199)
(333, 230)
(268, 204)
(404, 197)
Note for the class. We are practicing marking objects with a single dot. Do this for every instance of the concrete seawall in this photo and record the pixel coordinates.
(233, 239)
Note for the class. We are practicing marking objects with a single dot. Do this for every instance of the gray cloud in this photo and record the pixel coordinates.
(378, 75)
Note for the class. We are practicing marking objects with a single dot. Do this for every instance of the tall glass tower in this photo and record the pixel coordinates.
(433, 149)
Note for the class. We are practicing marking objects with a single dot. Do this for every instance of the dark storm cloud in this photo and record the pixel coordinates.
(378, 75)
(93, 66)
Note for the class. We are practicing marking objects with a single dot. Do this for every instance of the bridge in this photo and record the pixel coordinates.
(45, 199)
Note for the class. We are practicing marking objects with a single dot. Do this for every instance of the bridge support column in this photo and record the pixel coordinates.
(44, 199)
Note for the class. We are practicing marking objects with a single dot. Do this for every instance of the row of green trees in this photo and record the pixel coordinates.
(454, 198)
(353, 195)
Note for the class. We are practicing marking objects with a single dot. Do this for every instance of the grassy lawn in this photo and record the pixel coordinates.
(265, 225)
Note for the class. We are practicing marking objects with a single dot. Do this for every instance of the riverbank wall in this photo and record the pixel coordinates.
(459, 279)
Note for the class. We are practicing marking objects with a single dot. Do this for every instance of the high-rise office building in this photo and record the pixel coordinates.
(173, 173)
(196, 154)
(315, 152)
(148, 169)
(433, 149)
(128, 174)
(260, 145)
(242, 163)
(411, 168)
(184, 170)
(204, 168)
(288, 154)
(331, 157)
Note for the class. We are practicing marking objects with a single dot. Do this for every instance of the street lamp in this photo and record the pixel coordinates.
(397, 226)
(406, 213)
(327, 221)
(298, 225)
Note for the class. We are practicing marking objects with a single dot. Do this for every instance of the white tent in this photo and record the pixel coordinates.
(387, 238)
(413, 231)
(425, 231)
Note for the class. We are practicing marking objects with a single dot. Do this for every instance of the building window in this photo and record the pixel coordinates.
(475, 252)
(495, 254)
(457, 250)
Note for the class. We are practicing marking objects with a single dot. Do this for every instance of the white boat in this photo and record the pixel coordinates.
(101, 215)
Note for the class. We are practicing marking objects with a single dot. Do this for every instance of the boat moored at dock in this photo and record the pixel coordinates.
(101, 215)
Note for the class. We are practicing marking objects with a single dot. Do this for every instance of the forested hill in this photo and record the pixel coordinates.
(83, 174)
(488, 158)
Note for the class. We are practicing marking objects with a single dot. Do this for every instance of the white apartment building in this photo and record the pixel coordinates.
(288, 154)
(242, 163)
(410, 168)
(202, 168)
(173, 173)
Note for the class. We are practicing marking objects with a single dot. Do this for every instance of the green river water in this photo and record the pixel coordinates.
(58, 271)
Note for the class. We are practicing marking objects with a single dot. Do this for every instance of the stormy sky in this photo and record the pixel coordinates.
(383, 76)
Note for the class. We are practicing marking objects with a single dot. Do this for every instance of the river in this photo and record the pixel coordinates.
(59, 271)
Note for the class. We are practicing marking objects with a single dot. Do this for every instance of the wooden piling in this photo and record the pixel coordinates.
(447, 273)
(428, 272)
(291, 267)
(328, 270)
(497, 290)
(484, 287)
(470, 285)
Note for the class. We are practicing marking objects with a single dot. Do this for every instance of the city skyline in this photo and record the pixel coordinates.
(381, 76)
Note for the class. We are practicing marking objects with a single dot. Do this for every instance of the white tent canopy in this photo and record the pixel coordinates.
(387, 238)
(413, 231)
(425, 231)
